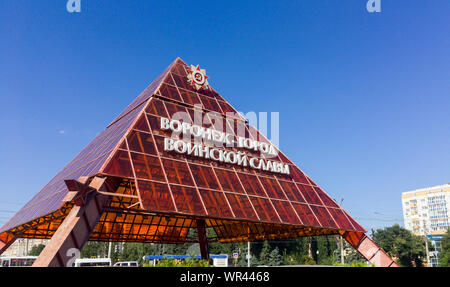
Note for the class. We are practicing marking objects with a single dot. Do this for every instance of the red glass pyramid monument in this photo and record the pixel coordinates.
(180, 157)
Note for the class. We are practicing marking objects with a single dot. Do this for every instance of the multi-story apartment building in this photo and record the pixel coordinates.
(22, 246)
(426, 212)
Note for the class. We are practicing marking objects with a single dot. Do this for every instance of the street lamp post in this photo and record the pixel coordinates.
(426, 243)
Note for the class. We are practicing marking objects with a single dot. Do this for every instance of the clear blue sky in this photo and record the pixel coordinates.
(363, 98)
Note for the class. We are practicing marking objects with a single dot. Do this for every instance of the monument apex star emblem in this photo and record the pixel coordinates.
(197, 77)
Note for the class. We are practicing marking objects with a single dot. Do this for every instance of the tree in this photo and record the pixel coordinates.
(94, 249)
(296, 252)
(275, 258)
(136, 251)
(401, 243)
(243, 261)
(444, 254)
(327, 247)
(264, 255)
(36, 250)
(166, 262)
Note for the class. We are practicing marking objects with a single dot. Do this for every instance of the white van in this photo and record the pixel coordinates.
(127, 264)
(92, 262)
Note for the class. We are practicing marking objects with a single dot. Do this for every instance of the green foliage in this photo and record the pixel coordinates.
(264, 256)
(36, 250)
(327, 247)
(94, 249)
(406, 248)
(308, 260)
(270, 253)
(166, 263)
(275, 258)
(196, 263)
(354, 264)
(360, 264)
(402, 244)
(190, 262)
(242, 249)
(444, 254)
(132, 252)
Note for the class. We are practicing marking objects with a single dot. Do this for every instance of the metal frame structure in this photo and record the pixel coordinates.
(125, 187)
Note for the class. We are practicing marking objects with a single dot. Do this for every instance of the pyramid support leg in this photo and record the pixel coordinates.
(203, 239)
(68, 240)
(367, 248)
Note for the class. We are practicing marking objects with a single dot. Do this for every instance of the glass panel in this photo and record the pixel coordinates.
(260, 136)
(205, 103)
(187, 199)
(209, 92)
(291, 191)
(156, 107)
(325, 198)
(229, 181)
(178, 112)
(141, 124)
(147, 167)
(284, 177)
(123, 145)
(272, 188)
(170, 92)
(356, 225)
(298, 175)
(179, 69)
(323, 216)
(204, 176)
(119, 165)
(284, 158)
(241, 206)
(181, 82)
(226, 108)
(155, 196)
(309, 194)
(168, 80)
(251, 184)
(141, 142)
(177, 172)
(210, 104)
(215, 203)
(340, 219)
(305, 214)
(155, 125)
(196, 116)
(217, 122)
(241, 130)
(286, 212)
(160, 146)
(190, 98)
(231, 125)
(311, 181)
(207, 122)
(213, 94)
(264, 209)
